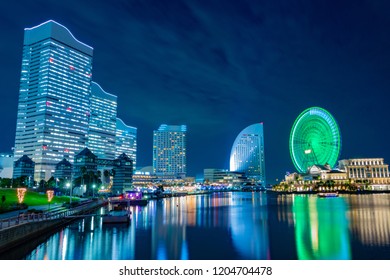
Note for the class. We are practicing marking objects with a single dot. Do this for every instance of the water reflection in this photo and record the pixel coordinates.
(321, 228)
(249, 226)
(231, 226)
(370, 218)
(192, 227)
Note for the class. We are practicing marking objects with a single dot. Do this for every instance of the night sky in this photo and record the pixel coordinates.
(219, 66)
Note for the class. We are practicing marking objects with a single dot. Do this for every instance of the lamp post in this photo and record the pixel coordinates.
(70, 193)
(93, 190)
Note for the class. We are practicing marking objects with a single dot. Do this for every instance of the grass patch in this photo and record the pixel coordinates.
(31, 198)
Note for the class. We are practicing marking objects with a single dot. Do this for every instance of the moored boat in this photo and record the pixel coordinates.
(117, 215)
(139, 202)
(328, 194)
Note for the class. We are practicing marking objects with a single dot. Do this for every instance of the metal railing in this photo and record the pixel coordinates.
(24, 218)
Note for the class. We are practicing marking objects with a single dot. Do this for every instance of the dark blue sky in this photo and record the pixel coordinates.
(219, 66)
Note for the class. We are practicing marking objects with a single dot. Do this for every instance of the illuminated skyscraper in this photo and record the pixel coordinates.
(53, 110)
(126, 141)
(169, 150)
(247, 153)
(102, 123)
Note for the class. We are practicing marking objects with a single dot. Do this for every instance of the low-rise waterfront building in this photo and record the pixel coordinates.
(224, 177)
(371, 171)
(123, 174)
(63, 170)
(142, 179)
(84, 162)
(24, 166)
(362, 174)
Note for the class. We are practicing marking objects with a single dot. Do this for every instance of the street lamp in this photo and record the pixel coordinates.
(93, 190)
(70, 193)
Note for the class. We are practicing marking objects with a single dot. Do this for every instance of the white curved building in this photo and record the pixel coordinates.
(247, 153)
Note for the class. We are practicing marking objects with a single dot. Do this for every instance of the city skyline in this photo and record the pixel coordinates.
(177, 63)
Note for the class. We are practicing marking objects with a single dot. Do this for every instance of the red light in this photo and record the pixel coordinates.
(48, 103)
(44, 147)
(71, 67)
(51, 60)
(66, 150)
(69, 109)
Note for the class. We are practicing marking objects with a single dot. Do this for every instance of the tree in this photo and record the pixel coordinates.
(5, 182)
(51, 183)
(106, 176)
(42, 185)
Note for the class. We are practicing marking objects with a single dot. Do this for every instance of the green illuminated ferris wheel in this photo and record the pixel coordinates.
(315, 139)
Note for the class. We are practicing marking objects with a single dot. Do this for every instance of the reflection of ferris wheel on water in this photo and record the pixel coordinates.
(315, 139)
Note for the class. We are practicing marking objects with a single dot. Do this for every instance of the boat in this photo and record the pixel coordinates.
(328, 194)
(248, 187)
(117, 215)
(139, 202)
(134, 198)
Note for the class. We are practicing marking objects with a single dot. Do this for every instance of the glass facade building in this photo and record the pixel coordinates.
(169, 150)
(54, 104)
(102, 123)
(126, 141)
(247, 154)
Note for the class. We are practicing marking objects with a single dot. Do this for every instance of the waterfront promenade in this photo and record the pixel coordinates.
(17, 227)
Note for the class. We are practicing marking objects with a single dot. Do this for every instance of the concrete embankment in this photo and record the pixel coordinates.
(20, 234)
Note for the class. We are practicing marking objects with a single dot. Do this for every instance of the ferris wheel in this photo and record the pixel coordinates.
(314, 139)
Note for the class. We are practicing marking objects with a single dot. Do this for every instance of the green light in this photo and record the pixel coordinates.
(315, 139)
(321, 228)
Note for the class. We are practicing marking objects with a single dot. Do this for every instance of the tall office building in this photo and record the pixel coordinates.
(54, 109)
(102, 123)
(169, 151)
(247, 153)
(6, 165)
(126, 141)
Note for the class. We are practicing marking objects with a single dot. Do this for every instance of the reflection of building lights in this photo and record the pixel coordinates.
(371, 223)
(21, 192)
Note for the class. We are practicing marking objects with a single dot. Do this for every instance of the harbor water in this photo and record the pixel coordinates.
(228, 226)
